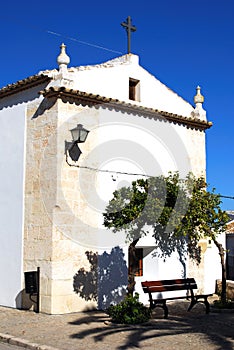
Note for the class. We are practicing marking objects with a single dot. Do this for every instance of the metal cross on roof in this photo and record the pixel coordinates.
(129, 28)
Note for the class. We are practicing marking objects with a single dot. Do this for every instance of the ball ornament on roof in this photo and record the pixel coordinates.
(63, 59)
(198, 98)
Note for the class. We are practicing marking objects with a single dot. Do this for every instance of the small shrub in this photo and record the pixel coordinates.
(129, 311)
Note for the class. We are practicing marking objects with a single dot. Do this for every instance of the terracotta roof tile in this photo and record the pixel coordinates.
(23, 84)
(89, 98)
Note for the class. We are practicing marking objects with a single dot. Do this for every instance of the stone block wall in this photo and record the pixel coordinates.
(52, 206)
(38, 226)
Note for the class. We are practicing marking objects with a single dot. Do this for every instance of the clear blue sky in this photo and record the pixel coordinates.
(182, 43)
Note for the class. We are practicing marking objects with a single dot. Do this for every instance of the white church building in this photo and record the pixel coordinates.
(51, 203)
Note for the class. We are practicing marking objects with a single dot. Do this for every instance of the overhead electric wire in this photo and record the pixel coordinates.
(106, 170)
(229, 197)
(35, 28)
(83, 42)
(121, 173)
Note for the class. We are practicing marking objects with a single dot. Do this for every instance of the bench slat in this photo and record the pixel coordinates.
(168, 282)
(169, 285)
(155, 289)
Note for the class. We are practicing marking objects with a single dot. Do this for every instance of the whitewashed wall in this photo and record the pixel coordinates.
(13, 150)
(111, 80)
(12, 130)
(212, 265)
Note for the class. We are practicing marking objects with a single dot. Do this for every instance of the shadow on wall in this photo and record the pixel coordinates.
(167, 243)
(106, 281)
(23, 302)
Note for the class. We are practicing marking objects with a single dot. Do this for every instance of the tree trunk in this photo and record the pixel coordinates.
(224, 274)
(132, 260)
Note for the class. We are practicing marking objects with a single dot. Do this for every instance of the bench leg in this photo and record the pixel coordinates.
(165, 308)
(207, 304)
(192, 303)
(196, 300)
(163, 305)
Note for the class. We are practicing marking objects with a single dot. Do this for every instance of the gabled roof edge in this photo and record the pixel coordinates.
(23, 84)
(88, 98)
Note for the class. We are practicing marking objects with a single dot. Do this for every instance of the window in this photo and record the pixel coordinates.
(134, 89)
(136, 263)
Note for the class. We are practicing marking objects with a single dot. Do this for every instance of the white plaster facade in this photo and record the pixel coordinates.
(11, 203)
(51, 213)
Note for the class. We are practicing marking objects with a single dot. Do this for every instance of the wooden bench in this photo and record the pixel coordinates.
(188, 284)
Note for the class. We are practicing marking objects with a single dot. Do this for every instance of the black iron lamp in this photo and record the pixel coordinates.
(79, 135)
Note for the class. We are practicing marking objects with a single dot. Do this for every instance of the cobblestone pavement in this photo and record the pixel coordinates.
(93, 330)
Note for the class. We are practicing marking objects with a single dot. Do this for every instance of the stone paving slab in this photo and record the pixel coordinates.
(93, 330)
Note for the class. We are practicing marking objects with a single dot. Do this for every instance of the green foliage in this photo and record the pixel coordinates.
(129, 311)
(178, 211)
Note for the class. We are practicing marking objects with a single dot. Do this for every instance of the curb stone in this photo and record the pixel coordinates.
(7, 338)
(4, 338)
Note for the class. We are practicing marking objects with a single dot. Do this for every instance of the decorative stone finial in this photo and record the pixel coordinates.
(63, 59)
(198, 98)
(199, 112)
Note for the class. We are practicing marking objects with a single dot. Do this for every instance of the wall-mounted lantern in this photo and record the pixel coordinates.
(79, 135)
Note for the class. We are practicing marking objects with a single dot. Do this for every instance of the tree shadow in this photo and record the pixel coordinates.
(180, 329)
(167, 243)
(106, 281)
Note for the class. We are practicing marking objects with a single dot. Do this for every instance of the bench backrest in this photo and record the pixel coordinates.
(169, 285)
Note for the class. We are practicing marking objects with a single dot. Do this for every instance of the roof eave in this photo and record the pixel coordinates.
(24, 85)
(92, 99)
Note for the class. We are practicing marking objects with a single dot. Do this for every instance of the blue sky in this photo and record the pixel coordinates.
(182, 43)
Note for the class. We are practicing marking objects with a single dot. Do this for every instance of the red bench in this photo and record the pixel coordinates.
(186, 284)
